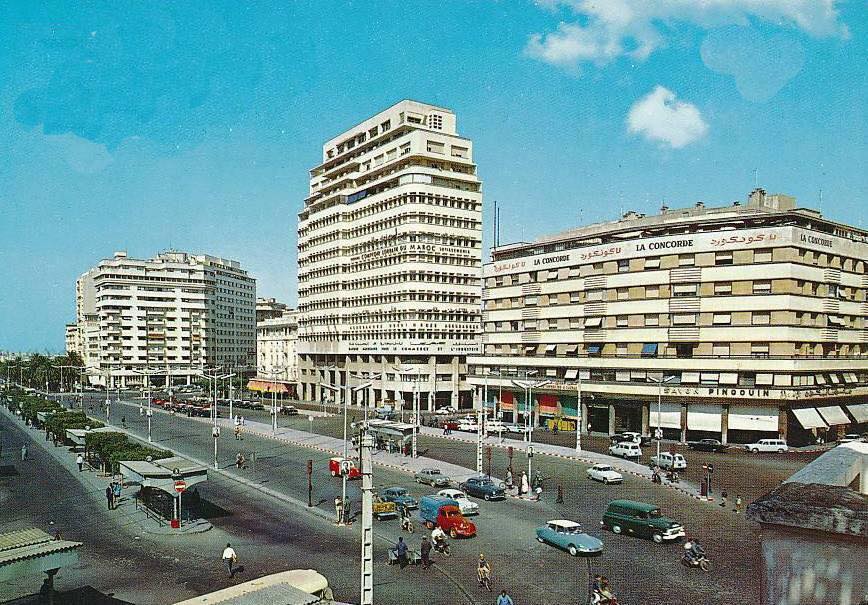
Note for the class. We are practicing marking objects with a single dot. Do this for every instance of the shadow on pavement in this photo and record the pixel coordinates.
(85, 595)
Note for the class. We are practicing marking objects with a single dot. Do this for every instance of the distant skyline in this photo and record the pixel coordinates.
(193, 126)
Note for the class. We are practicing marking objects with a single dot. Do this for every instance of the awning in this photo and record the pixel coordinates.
(690, 378)
(859, 412)
(835, 378)
(685, 289)
(29, 552)
(572, 348)
(551, 373)
(709, 378)
(764, 380)
(571, 374)
(507, 401)
(267, 386)
(593, 349)
(833, 415)
(551, 348)
(670, 416)
(652, 263)
(701, 417)
(649, 349)
(622, 375)
(593, 322)
(835, 320)
(728, 378)
(809, 418)
(850, 377)
(638, 376)
(753, 418)
(820, 379)
(548, 404)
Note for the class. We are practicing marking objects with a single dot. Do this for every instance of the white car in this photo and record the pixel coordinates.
(445, 411)
(466, 425)
(849, 438)
(495, 426)
(767, 445)
(669, 461)
(465, 504)
(627, 450)
(605, 473)
(517, 428)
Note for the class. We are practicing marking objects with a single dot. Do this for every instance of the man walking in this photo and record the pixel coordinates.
(339, 509)
(737, 504)
(504, 599)
(425, 549)
(109, 496)
(23, 451)
(79, 460)
(401, 552)
(116, 492)
(229, 558)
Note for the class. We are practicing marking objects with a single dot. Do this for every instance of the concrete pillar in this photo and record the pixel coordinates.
(782, 423)
(455, 381)
(646, 418)
(683, 423)
(585, 417)
(431, 401)
(863, 477)
(724, 423)
(611, 427)
(384, 370)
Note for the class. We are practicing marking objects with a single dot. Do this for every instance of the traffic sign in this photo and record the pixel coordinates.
(180, 486)
(658, 434)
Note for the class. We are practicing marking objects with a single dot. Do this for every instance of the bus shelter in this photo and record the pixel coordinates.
(390, 435)
(164, 479)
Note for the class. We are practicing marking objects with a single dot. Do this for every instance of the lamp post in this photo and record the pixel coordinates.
(149, 413)
(272, 373)
(215, 430)
(417, 396)
(528, 410)
(579, 412)
(658, 433)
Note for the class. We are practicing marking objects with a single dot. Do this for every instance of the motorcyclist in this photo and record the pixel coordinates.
(483, 569)
(693, 550)
(438, 537)
(405, 517)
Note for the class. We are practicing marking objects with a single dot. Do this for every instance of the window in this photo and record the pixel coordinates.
(652, 263)
(762, 256)
(435, 121)
(623, 294)
(621, 321)
(649, 349)
(709, 378)
(721, 319)
(759, 350)
(835, 320)
(593, 349)
(764, 380)
(652, 292)
(435, 147)
(723, 258)
(686, 260)
(459, 152)
(690, 378)
(762, 287)
(595, 295)
(723, 288)
(593, 322)
(531, 300)
(681, 319)
(652, 320)
(681, 290)
(761, 319)
(574, 297)
(623, 266)
(720, 349)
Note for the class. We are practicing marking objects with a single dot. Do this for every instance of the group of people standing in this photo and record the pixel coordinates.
(113, 494)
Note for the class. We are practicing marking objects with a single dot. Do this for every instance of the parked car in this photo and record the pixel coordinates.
(289, 410)
(630, 437)
(432, 476)
(445, 410)
(849, 438)
(467, 425)
(767, 445)
(626, 449)
(495, 426)
(568, 536)
(605, 473)
(642, 520)
(338, 465)
(669, 460)
(468, 507)
(707, 445)
(446, 514)
(483, 487)
(518, 428)
(400, 496)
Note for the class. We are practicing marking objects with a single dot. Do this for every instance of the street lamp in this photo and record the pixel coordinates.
(658, 433)
(528, 410)
(147, 374)
(273, 374)
(417, 396)
(215, 430)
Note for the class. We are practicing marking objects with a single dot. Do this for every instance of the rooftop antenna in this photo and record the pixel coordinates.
(494, 225)
(821, 198)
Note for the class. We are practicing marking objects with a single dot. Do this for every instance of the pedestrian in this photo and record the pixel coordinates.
(504, 599)
(425, 549)
(509, 478)
(116, 492)
(23, 451)
(523, 484)
(445, 428)
(239, 460)
(401, 552)
(347, 509)
(560, 498)
(242, 421)
(124, 421)
(79, 460)
(738, 504)
(109, 497)
(237, 432)
(339, 509)
(723, 496)
(229, 558)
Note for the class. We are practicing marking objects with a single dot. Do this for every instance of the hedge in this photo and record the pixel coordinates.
(114, 447)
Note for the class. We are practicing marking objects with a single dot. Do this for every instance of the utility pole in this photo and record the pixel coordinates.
(478, 442)
(579, 414)
(366, 443)
(215, 429)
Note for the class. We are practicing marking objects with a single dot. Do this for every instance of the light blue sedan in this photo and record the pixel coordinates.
(568, 536)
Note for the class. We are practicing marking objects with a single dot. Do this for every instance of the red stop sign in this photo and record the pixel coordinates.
(180, 486)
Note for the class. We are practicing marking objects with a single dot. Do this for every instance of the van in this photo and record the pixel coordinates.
(626, 449)
(669, 460)
(445, 513)
(642, 520)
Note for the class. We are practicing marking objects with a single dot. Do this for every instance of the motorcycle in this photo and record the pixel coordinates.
(598, 598)
(442, 546)
(407, 524)
(700, 561)
(484, 578)
(672, 477)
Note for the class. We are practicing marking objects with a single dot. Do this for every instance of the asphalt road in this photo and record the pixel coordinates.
(640, 571)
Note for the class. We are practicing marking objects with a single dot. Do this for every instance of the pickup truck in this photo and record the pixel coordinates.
(446, 514)
(707, 445)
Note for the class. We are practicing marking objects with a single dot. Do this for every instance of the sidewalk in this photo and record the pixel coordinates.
(95, 484)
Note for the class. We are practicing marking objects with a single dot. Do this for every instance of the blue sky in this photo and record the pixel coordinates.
(191, 125)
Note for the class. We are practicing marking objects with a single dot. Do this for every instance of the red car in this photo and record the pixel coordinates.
(335, 468)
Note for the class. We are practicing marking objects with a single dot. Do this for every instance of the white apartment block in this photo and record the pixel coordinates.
(170, 316)
(754, 318)
(389, 260)
(269, 308)
(277, 357)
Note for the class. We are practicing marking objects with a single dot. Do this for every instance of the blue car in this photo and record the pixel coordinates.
(400, 496)
(568, 536)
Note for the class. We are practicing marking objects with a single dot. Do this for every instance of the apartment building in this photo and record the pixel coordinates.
(277, 357)
(168, 317)
(741, 322)
(389, 260)
(269, 308)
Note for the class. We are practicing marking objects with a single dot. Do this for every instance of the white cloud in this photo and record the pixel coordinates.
(82, 155)
(661, 117)
(607, 29)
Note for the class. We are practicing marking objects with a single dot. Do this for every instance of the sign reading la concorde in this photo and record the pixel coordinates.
(678, 244)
